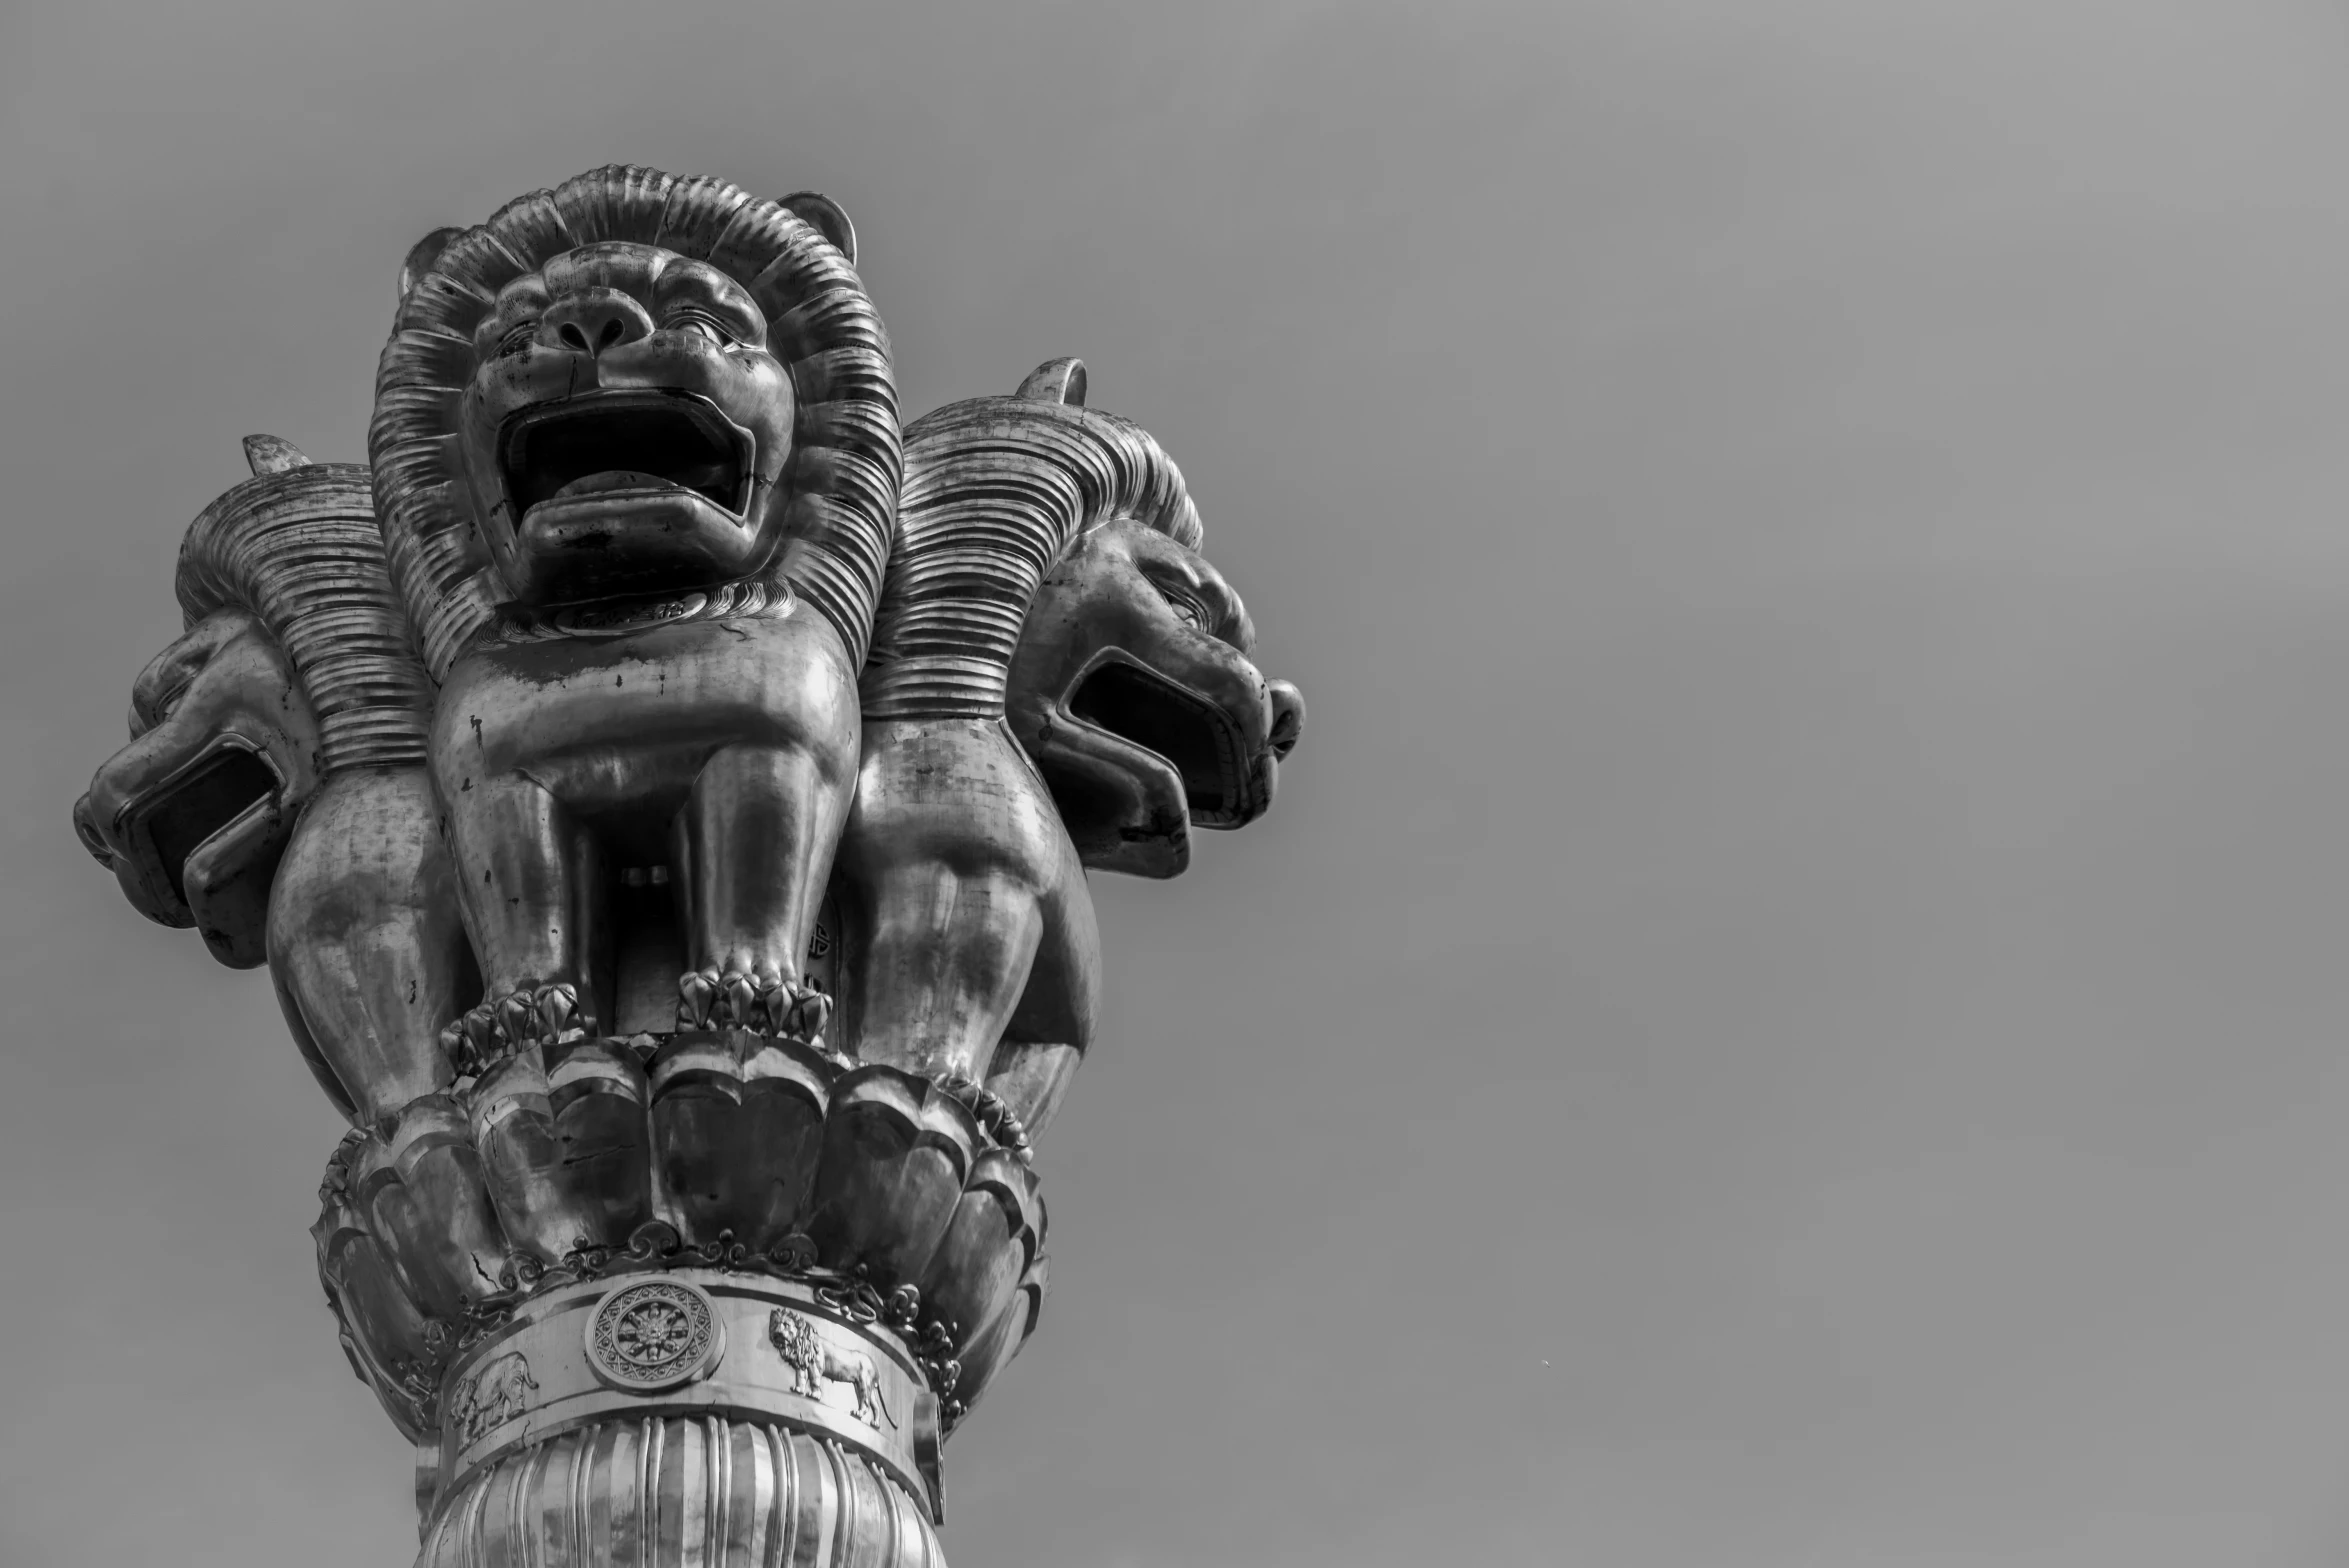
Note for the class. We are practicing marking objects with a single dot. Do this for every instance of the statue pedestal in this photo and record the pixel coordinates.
(684, 1301)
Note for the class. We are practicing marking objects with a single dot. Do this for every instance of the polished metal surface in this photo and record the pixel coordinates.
(711, 1491)
(663, 793)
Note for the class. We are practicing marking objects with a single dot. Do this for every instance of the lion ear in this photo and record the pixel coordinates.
(1056, 381)
(822, 214)
(421, 256)
(272, 455)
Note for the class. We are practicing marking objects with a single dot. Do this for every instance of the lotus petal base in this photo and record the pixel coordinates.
(849, 1254)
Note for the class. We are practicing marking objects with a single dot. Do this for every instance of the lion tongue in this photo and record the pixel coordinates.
(615, 479)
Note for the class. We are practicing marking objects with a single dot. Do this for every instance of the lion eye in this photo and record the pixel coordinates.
(1187, 609)
(701, 321)
(517, 339)
(168, 704)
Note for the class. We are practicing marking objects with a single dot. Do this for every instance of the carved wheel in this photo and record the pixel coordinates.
(653, 1335)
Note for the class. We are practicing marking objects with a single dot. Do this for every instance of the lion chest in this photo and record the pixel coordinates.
(610, 721)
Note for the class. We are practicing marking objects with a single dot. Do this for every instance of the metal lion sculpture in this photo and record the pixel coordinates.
(662, 792)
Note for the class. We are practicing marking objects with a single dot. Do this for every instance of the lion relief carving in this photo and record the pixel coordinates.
(815, 1361)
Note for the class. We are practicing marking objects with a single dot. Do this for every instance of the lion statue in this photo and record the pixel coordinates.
(815, 1361)
(636, 457)
(1059, 680)
(274, 793)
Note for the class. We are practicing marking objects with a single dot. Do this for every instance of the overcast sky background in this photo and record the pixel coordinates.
(1791, 1009)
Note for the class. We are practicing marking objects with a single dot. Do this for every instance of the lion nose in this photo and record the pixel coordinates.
(1288, 718)
(593, 320)
(85, 827)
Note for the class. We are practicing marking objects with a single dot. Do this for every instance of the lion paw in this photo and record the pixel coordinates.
(986, 1106)
(698, 995)
(560, 1015)
(529, 1015)
(761, 1003)
(807, 1013)
(471, 1042)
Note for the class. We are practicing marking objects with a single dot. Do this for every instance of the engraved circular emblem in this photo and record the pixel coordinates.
(654, 1335)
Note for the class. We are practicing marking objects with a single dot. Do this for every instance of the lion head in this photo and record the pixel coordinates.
(626, 425)
(792, 1335)
(1135, 692)
(1048, 572)
(295, 663)
(194, 814)
(635, 383)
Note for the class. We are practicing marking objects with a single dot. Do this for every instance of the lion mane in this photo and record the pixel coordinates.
(996, 490)
(297, 547)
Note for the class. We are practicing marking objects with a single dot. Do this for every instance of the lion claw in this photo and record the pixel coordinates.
(559, 1014)
(804, 1017)
(986, 1107)
(760, 1004)
(473, 1042)
(530, 1015)
(744, 994)
(1012, 1133)
(697, 1000)
(517, 1018)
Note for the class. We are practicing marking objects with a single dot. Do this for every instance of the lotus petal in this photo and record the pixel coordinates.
(737, 1127)
(726, 1145)
(565, 1150)
(421, 1194)
(391, 1344)
(896, 1152)
(393, 1348)
(998, 1226)
(1000, 1341)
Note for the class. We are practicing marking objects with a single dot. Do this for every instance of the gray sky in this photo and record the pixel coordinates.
(1790, 1011)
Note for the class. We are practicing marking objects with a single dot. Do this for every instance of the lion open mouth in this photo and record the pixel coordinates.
(170, 825)
(610, 442)
(1197, 738)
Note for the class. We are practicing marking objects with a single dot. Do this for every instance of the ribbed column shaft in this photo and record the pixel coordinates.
(672, 1492)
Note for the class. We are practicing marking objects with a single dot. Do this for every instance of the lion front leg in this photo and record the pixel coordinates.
(942, 955)
(754, 846)
(524, 877)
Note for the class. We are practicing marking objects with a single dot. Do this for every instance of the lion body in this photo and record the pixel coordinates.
(969, 945)
(297, 655)
(721, 744)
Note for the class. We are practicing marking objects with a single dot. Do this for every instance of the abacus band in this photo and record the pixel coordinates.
(687, 1343)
